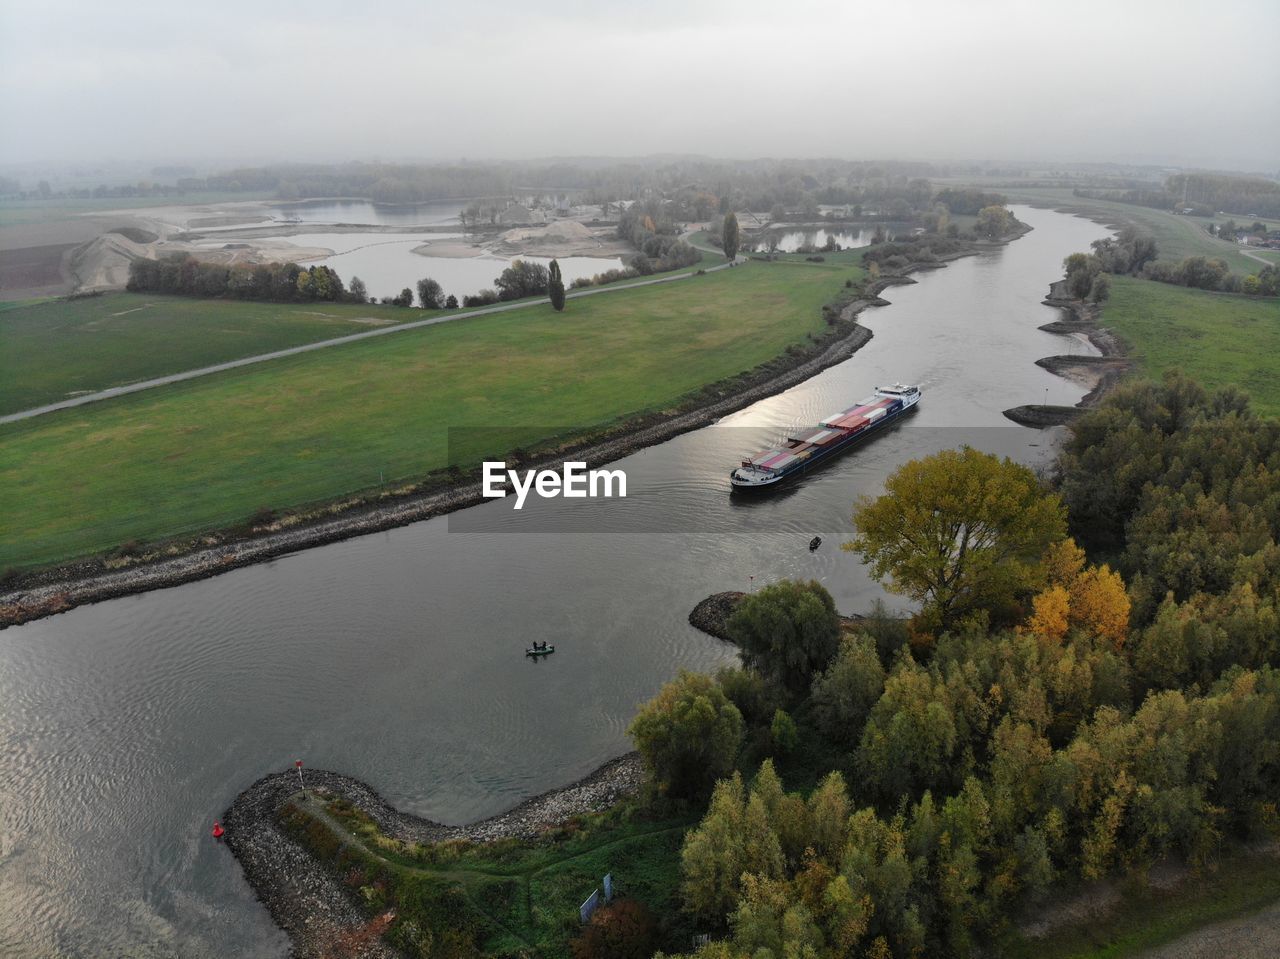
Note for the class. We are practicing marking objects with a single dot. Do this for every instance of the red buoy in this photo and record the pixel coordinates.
(217, 829)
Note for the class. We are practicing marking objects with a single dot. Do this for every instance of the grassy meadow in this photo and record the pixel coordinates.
(1221, 339)
(53, 349)
(211, 452)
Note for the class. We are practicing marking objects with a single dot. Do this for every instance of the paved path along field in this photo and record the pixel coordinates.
(323, 344)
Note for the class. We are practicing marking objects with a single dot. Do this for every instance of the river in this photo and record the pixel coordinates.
(126, 727)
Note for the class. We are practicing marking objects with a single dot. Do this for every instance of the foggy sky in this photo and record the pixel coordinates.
(1193, 83)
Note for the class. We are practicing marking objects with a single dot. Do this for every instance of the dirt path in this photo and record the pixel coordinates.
(1246, 937)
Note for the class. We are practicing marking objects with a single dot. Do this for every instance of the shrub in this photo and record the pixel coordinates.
(483, 298)
(688, 735)
(624, 929)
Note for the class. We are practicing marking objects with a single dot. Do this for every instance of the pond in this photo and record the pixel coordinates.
(794, 240)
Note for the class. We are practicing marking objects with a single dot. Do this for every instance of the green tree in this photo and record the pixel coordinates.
(357, 291)
(783, 732)
(1081, 270)
(729, 236)
(911, 738)
(828, 817)
(993, 222)
(555, 286)
(688, 735)
(959, 531)
(788, 632)
(522, 278)
(430, 294)
(711, 860)
(845, 692)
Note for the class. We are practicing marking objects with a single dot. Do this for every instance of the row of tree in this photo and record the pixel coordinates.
(1135, 254)
(184, 275)
(1204, 194)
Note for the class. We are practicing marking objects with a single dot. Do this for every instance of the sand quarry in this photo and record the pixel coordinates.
(93, 251)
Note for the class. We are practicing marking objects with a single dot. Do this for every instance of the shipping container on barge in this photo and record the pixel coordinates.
(836, 434)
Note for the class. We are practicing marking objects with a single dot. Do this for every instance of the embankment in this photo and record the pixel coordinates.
(1098, 374)
(313, 908)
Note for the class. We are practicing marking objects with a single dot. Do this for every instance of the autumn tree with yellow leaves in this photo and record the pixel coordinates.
(1079, 596)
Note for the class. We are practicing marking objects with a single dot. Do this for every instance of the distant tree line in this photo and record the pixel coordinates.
(184, 275)
(968, 202)
(1203, 193)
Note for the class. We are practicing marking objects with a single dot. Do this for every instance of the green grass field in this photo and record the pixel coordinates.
(1176, 236)
(210, 452)
(53, 349)
(7, 305)
(1218, 338)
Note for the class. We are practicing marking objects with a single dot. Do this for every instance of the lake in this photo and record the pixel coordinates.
(387, 264)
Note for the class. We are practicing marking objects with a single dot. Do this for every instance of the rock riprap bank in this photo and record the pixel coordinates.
(313, 908)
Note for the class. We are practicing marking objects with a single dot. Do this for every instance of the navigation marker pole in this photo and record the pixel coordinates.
(297, 764)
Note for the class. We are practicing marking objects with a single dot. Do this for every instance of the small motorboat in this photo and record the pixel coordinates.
(535, 652)
(814, 544)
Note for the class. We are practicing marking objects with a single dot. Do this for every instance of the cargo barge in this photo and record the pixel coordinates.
(834, 435)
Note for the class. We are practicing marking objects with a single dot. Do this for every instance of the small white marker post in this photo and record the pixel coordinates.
(297, 764)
